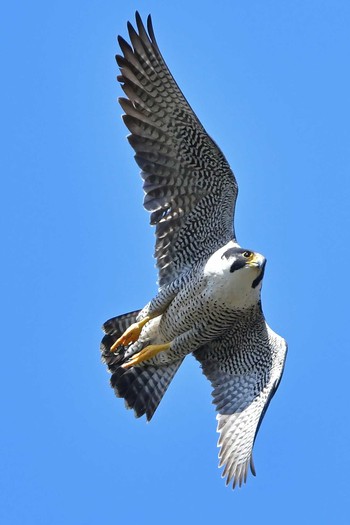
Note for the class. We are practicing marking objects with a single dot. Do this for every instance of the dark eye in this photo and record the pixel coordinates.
(247, 254)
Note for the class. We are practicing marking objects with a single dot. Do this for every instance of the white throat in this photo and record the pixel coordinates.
(232, 290)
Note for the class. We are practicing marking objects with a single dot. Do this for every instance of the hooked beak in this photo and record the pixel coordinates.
(259, 262)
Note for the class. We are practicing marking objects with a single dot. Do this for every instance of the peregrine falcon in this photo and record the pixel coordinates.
(209, 298)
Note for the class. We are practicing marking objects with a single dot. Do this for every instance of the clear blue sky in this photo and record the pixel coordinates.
(270, 81)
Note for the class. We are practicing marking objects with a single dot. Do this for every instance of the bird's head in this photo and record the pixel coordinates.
(236, 274)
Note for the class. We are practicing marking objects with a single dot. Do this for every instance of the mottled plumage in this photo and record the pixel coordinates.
(187, 180)
(209, 300)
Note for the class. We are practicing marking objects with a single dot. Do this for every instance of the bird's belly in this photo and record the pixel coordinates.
(202, 318)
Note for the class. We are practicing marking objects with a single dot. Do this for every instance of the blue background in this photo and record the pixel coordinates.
(270, 82)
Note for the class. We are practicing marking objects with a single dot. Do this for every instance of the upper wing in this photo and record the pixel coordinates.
(189, 186)
(244, 377)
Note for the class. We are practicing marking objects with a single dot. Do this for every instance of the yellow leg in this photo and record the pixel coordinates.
(130, 335)
(146, 353)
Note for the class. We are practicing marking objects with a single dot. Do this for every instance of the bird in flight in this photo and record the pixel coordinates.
(209, 298)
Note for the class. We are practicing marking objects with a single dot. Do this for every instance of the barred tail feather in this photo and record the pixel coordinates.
(143, 386)
(113, 329)
(116, 326)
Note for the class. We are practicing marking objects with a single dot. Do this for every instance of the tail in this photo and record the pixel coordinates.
(143, 386)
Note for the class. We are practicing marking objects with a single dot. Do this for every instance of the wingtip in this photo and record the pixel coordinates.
(138, 19)
(149, 21)
(151, 31)
(252, 466)
(132, 32)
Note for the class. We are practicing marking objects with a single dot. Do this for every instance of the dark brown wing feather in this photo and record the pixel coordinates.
(190, 189)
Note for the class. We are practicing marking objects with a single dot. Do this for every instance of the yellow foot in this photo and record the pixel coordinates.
(146, 353)
(131, 334)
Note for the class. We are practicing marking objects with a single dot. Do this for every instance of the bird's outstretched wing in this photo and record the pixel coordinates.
(190, 189)
(245, 376)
